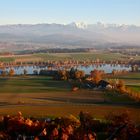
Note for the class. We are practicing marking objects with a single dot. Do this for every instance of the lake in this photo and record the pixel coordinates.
(106, 67)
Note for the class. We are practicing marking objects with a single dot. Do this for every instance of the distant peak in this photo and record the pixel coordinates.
(80, 25)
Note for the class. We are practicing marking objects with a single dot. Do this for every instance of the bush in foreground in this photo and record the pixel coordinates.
(85, 127)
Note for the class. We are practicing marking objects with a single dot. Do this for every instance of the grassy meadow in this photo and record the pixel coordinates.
(41, 96)
(31, 84)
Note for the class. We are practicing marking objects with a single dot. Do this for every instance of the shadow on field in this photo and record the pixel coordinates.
(89, 101)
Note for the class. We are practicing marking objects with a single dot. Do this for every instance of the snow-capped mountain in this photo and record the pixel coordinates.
(80, 25)
(75, 34)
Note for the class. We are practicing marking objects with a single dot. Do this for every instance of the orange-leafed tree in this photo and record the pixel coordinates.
(63, 74)
(121, 85)
(3, 73)
(96, 75)
(79, 74)
(11, 72)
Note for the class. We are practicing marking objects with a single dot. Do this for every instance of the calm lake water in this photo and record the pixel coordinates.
(106, 67)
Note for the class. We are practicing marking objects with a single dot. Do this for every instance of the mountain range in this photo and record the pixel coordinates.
(70, 35)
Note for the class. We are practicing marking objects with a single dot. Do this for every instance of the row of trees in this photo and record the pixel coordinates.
(11, 72)
(72, 74)
(133, 94)
(119, 72)
(95, 75)
(120, 86)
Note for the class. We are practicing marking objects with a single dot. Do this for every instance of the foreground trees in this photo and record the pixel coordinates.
(121, 127)
(84, 127)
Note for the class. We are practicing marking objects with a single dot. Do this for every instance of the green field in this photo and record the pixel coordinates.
(41, 96)
(31, 84)
(101, 55)
(107, 56)
(7, 59)
(132, 80)
(135, 87)
(81, 56)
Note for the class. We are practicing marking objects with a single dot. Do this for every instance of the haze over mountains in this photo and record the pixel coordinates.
(71, 35)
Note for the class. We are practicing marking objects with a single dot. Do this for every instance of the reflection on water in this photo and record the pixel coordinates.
(106, 67)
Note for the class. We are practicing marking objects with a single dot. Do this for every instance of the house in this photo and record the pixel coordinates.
(104, 84)
(89, 84)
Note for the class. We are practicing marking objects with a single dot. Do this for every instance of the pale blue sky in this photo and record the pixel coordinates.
(67, 11)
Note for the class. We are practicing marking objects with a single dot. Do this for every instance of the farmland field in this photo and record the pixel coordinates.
(106, 56)
(31, 84)
(81, 56)
(42, 96)
(84, 56)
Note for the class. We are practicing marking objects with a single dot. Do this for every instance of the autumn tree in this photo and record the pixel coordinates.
(3, 73)
(79, 74)
(121, 85)
(114, 83)
(96, 75)
(114, 72)
(11, 72)
(121, 126)
(63, 74)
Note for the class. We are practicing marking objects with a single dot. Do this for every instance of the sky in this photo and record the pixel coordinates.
(67, 11)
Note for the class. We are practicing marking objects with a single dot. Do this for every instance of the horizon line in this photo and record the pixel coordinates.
(98, 22)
